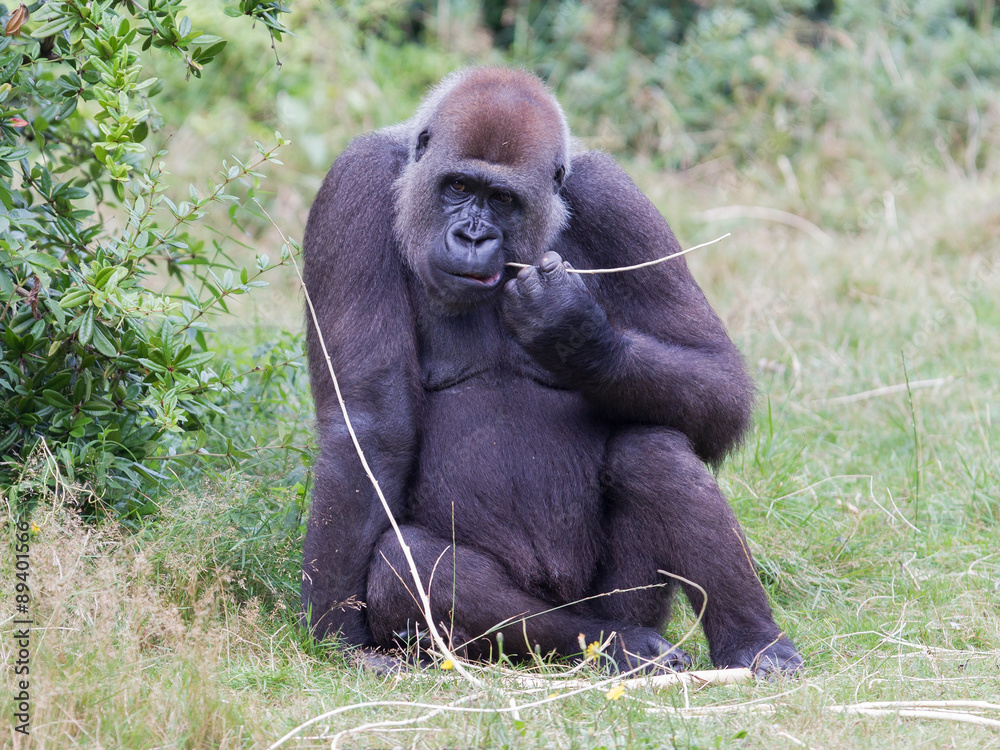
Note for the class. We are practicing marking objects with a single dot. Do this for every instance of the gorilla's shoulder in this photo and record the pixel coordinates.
(597, 184)
(589, 161)
(387, 146)
(374, 157)
(604, 202)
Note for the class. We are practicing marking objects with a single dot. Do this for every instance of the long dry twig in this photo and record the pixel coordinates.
(883, 391)
(697, 678)
(389, 724)
(637, 266)
(982, 705)
(407, 553)
(959, 716)
(939, 710)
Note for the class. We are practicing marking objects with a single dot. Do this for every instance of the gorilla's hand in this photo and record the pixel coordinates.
(552, 315)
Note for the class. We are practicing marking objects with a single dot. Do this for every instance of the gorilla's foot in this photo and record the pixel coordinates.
(766, 658)
(647, 652)
(415, 644)
(380, 663)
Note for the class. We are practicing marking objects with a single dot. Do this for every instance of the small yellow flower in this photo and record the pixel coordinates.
(34, 528)
(615, 693)
(447, 664)
(593, 650)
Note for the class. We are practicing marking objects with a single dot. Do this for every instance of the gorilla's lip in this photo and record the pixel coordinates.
(480, 279)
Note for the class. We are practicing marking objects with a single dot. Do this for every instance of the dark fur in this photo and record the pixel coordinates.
(556, 429)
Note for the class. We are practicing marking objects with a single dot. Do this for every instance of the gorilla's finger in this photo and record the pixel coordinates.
(525, 272)
(550, 262)
(513, 300)
(576, 278)
(529, 281)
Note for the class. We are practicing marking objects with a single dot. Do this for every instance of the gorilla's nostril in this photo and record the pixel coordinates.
(474, 234)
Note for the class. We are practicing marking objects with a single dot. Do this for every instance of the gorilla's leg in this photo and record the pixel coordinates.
(473, 596)
(665, 512)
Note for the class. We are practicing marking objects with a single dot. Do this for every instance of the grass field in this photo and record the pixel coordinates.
(868, 491)
(867, 306)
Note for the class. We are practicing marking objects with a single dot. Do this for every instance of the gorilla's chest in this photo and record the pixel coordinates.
(508, 463)
(457, 348)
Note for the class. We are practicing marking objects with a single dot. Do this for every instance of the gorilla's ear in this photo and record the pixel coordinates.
(559, 177)
(422, 140)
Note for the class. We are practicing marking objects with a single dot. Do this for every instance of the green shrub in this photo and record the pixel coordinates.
(98, 363)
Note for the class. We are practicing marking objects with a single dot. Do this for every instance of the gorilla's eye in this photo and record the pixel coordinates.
(504, 197)
(458, 186)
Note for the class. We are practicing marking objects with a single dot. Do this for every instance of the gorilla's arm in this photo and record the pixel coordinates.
(644, 346)
(357, 283)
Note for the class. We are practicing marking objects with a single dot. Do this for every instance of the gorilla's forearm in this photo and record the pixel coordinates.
(700, 389)
(631, 377)
(347, 520)
(339, 541)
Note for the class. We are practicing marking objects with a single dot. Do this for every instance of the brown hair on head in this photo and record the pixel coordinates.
(503, 116)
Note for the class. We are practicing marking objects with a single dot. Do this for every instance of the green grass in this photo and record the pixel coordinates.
(869, 489)
(874, 520)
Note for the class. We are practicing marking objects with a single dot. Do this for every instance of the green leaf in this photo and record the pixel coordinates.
(74, 297)
(46, 262)
(6, 285)
(197, 360)
(103, 344)
(86, 329)
(52, 28)
(53, 306)
(154, 366)
(56, 399)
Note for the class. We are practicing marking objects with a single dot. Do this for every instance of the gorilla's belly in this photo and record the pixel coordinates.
(512, 468)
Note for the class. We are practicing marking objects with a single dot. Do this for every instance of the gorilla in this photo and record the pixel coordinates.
(544, 438)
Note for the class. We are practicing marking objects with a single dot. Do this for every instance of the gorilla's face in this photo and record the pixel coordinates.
(487, 156)
(464, 265)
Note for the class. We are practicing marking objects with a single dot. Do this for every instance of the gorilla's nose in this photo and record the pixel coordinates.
(474, 243)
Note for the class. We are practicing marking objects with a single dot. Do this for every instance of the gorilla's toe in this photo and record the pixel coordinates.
(647, 652)
(767, 659)
(379, 663)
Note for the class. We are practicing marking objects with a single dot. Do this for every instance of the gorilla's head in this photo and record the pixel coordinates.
(489, 151)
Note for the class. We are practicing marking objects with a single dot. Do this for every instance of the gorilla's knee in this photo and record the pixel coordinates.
(652, 460)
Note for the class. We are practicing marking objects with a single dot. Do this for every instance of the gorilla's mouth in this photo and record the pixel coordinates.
(479, 278)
